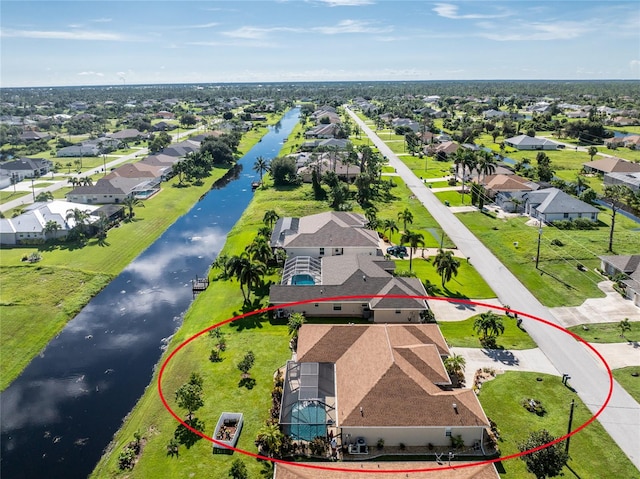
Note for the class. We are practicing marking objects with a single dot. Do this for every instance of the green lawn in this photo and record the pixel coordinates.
(557, 282)
(467, 284)
(460, 334)
(593, 453)
(427, 167)
(606, 332)
(630, 383)
(6, 196)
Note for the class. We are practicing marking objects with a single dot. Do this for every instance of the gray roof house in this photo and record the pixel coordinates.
(525, 142)
(630, 180)
(332, 233)
(552, 204)
(629, 266)
(306, 278)
(25, 168)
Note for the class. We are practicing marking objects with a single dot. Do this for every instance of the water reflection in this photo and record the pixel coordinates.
(58, 416)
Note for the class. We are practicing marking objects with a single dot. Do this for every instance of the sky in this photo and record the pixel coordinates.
(87, 42)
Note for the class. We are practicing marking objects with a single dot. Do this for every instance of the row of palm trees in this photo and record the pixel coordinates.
(84, 181)
(251, 265)
(484, 162)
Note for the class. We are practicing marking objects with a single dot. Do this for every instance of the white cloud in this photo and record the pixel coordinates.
(347, 3)
(448, 10)
(102, 20)
(352, 26)
(539, 31)
(82, 35)
(251, 33)
(90, 73)
(634, 63)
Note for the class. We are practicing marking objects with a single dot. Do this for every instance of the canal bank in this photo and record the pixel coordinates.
(63, 410)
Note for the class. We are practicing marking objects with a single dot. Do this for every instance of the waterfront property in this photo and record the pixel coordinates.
(379, 296)
(611, 165)
(525, 142)
(383, 383)
(325, 234)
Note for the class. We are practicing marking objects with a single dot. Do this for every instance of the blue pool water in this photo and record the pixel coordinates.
(302, 280)
(308, 421)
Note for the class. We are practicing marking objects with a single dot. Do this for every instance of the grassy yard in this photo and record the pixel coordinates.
(460, 334)
(468, 284)
(427, 167)
(630, 383)
(606, 332)
(557, 282)
(592, 453)
(6, 196)
(92, 264)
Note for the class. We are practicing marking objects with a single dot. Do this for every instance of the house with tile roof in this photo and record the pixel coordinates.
(525, 142)
(611, 165)
(552, 204)
(629, 266)
(507, 190)
(383, 381)
(325, 234)
(365, 285)
(298, 471)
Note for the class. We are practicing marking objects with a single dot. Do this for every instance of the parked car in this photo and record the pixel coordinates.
(397, 250)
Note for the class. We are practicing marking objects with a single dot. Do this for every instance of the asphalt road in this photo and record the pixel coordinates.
(621, 417)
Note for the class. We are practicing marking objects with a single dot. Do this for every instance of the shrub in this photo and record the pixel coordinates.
(535, 406)
(557, 242)
(584, 224)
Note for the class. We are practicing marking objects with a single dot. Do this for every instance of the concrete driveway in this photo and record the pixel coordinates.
(611, 309)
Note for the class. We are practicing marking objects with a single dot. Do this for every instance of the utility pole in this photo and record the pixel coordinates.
(566, 446)
(33, 190)
(539, 236)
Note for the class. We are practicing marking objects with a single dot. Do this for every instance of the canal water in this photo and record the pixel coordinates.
(60, 414)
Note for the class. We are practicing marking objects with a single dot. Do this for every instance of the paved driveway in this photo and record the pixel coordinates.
(611, 309)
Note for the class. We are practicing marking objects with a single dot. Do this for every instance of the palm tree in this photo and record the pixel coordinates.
(390, 226)
(261, 166)
(486, 164)
(593, 151)
(221, 262)
(414, 240)
(270, 217)
(246, 272)
(260, 250)
(446, 265)
(131, 202)
(44, 196)
(406, 217)
(624, 326)
(581, 184)
(489, 324)
(51, 227)
(86, 181)
(270, 439)
(264, 231)
(296, 320)
(455, 365)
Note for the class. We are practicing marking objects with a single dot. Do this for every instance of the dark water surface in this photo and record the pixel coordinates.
(60, 414)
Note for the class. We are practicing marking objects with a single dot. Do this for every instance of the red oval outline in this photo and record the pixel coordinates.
(385, 471)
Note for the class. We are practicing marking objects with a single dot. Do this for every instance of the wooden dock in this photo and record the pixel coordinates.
(199, 285)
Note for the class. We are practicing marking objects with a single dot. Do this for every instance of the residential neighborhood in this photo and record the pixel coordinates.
(383, 268)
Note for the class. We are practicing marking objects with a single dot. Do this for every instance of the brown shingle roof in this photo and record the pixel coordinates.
(389, 371)
(485, 471)
(610, 165)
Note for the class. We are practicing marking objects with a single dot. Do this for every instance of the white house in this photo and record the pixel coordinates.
(552, 204)
(25, 168)
(525, 142)
(325, 234)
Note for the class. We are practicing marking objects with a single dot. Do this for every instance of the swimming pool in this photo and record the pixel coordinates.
(302, 280)
(308, 420)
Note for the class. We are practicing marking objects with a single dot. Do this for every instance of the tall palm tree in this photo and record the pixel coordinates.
(414, 240)
(446, 265)
(593, 151)
(261, 166)
(489, 324)
(406, 217)
(390, 226)
(260, 250)
(270, 217)
(485, 165)
(615, 194)
(246, 272)
(131, 202)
